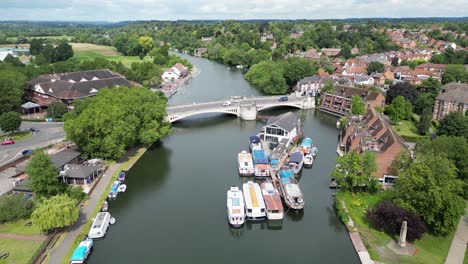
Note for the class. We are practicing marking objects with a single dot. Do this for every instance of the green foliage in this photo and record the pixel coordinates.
(358, 106)
(375, 66)
(11, 88)
(146, 73)
(296, 69)
(13, 207)
(405, 89)
(15, 61)
(55, 212)
(10, 121)
(328, 87)
(454, 124)
(146, 44)
(429, 188)
(106, 125)
(268, 76)
(424, 123)
(56, 110)
(424, 103)
(399, 109)
(76, 192)
(128, 44)
(451, 57)
(400, 163)
(354, 172)
(455, 73)
(43, 176)
(173, 59)
(63, 52)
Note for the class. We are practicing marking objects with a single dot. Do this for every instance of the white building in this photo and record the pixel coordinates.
(3, 54)
(281, 129)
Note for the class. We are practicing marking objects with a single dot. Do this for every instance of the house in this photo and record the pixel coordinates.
(364, 80)
(355, 51)
(379, 79)
(309, 85)
(312, 54)
(339, 102)
(70, 86)
(266, 36)
(65, 156)
(282, 129)
(200, 51)
(296, 34)
(206, 39)
(4, 54)
(331, 52)
(174, 73)
(80, 174)
(454, 98)
(372, 133)
(432, 67)
(354, 71)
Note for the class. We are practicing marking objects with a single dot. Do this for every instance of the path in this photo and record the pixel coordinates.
(459, 243)
(23, 237)
(58, 253)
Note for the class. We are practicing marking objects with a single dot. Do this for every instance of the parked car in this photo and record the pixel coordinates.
(8, 141)
(227, 103)
(34, 129)
(283, 98)
(27, 151)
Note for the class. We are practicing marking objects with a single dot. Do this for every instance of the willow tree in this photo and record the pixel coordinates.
(55, 212)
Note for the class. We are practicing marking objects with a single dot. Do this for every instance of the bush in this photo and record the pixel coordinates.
(388, 216)
(76, 192)
(13, 207)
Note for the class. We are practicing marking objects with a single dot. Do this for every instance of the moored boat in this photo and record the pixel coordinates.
(104, 206)
(112, 221)
(82, 251)
(292, 194)
(121, 176)
(261, 163)
(114, 189)
(245, 164)
(296, 161)
(122, 188)
(314, 151)
(100, 225)
(254, 143)
(306, 145)
(235, 207)
(308, 160)
(254, 203)
(272, 198)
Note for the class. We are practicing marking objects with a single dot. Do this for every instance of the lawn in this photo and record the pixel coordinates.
(18, 227)
(407, 130)
(87, 51)
(18, 136)
(21, 251)
(431, 249)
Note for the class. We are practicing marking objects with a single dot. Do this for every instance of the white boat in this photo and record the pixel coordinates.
(82, 251)
(100, 225)
(254, 143)
(296, 161)
(122, 188)
(245, 164)
(104, 206)
(235, 207)
(308, 160)
(338, 123)
(114, 189)
(272, 198)
(261, 163)
(112, 220)
(314, 151)
(292, 194)
(254, 204)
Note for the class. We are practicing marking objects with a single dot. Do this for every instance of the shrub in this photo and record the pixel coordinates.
(13, 207)
(388, 216)
(76, 192)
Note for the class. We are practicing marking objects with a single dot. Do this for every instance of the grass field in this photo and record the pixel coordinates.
(87, 51)
(21, 251)
(43, 37)
(431, 249)
(18, 227)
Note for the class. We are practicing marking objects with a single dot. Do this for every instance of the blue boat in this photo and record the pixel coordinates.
(121, 176)
(306, 145)
(82, 251)
(254, 143)
(114, 189)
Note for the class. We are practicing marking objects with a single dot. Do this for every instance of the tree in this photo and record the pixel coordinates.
(36, 45)
(454, 124)
(11, 88)
(424, 123)
(43, 176)
(431, 86)
(56, 110)
(400, 163)
(424, 103)
(106, 125)
(296, 69)
(354, 172)
(49, 53)
(55, 212)
(455, 73)
(388, 216)
(268, 76)
(430, 189)
(146, 44)
(13, 61)
(10, 121)
(399, 109)
(62, 52)
(358, 106)
(404, 89)
(146, 73)
(375, 66)
(15, 206)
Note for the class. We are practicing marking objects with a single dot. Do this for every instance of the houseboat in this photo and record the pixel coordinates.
(261, 163)
(296, 161)
(254, 204)
(306, 145)
(308, 160)
(292, 194)
(121, 176)
(235, 207)
(245, 164)
(82, 251)
(272, 198)
(254, 143)
(100, 225)
(114, 189)
(314, 151)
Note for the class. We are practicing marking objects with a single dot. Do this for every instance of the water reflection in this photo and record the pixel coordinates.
(294, 215)
(236, 232)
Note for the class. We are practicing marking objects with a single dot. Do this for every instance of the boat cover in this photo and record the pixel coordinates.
(259, 157)
(306, 142)
(296, 157)
(80, 251)
(254, 139)
(286, 174)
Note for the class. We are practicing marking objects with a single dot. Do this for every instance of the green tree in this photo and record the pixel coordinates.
(424, 103)
(106, 125)
(55, 212)
(354, 172)
(424, 123)
(431, 86)
(400, 163)
(375, 66)
(146, 44)
(358, 106)
(10, 121)
(455, 73)
(296, 69)
(13, 207)
(146, 73)
(454, 124)
(13, 61)
(399, 109)
(56, 110)
(43, 176)
(429, 188)
(63, 52)
(36, 45)
(11, 88)
(268, 76)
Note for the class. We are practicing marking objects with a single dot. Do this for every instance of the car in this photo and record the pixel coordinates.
(283, 98)
(8, 141)
(227, 103)
(27, 151)
(34, 129)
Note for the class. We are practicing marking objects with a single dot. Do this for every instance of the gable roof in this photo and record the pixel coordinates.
(287, 121)
(64, 156)
(79, 171)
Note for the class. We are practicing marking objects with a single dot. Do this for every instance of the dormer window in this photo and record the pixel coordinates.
(83, 80)
(95, 78)
(93, 91)
(71, 81)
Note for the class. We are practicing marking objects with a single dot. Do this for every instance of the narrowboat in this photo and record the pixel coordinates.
(272, 198)
(235, 207)
(254, 204)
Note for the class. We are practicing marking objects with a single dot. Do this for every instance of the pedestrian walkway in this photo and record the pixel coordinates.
(459, 243)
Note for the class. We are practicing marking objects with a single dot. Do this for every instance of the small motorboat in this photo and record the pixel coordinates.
(122, 188)
(121, 176)
(308, 160)
(314, 151)
(112, 220)
(104, 206)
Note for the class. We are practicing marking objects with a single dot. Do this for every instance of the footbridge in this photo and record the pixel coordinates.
(245, 108)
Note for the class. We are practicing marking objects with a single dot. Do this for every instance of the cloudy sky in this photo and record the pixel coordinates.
(119, 10)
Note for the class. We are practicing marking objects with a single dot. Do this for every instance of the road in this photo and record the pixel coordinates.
(50, 132)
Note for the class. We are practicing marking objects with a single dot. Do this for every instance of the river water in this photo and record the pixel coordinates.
(174, 209)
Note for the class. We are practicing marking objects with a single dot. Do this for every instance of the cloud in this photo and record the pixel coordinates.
(118, 10)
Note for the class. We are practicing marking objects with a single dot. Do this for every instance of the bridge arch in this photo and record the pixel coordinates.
(269, 106)
(178, 116)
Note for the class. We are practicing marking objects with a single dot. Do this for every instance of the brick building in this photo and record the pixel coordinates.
(454, 98)
(339, 102)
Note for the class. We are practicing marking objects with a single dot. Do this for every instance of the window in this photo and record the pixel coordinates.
(249, 210)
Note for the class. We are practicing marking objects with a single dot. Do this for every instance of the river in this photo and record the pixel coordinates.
(174, 209)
